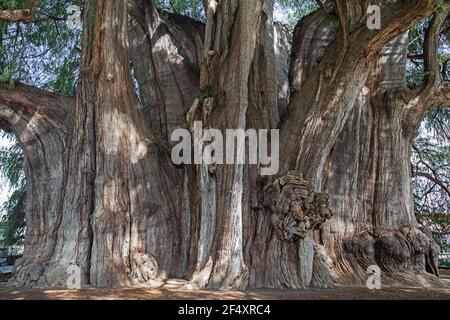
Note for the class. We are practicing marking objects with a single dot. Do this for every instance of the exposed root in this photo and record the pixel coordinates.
(407, 256)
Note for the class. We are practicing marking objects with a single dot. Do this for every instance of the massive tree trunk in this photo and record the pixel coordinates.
(238, 74)
(39, 121)
(368, 175)
(115, 206)
(103, 195)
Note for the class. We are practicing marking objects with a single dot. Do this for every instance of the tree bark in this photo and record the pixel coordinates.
(39, 121)
(369, 178)
(115, 194)
(238, 67)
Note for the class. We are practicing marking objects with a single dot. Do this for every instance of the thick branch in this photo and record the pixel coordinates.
(29, 101)
(341, 12)
(209, 37)
(435, 92)
(434, 180)
(431, 46)
(442, 96)
(320, 108)
(396, 18)
(22, 15)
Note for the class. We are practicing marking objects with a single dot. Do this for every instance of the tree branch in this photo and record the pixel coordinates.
(209, 30)
(415, 56)
(396, 18)
(341, 12)
(435, 92)
(442, 97)
(27, 101)
(22, 15)
(433, 179)
(431, 46)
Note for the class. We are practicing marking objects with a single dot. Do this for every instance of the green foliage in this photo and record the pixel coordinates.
(14, 219)
(45, 52)
(439, 223)
(11, 165)
(190, 8)
(290, 11)
(415, 68)
(12, 4)
(11, 168)
(444, 263)
(65, 78)
(431, 155)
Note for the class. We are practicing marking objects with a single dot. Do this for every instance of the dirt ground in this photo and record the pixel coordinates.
(444, 273)
(170, 292)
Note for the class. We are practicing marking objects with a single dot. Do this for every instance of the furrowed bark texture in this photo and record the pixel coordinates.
(238, 68)
(39, 121)
(104, 198)
(329, 71)
(168, 85)
(368, 176)
(116, 206)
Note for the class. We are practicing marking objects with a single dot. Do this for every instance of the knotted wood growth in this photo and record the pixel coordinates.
(296, 209)
(404, 255)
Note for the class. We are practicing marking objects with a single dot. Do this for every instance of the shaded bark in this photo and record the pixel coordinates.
(238, 68)
(168, 79)
(38, 120)
(114, 195)
(168, 85)
(369, 178)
